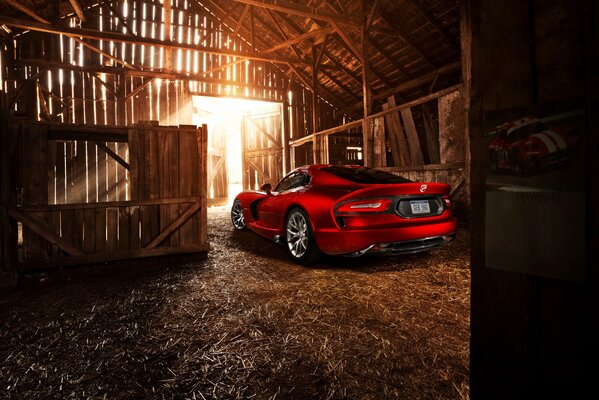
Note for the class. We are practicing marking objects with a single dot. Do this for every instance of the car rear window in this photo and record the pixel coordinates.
(364, 175)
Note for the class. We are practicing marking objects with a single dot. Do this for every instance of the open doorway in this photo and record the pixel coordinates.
(245, 146)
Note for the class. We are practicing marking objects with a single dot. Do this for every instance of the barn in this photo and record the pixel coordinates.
(124, 273)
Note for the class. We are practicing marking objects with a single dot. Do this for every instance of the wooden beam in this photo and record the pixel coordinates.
(139, 88)
(426, 167)
(326, 132)
(399, 32)
(122, 38)
(116, 256)
(78, 10)
(348, 42)
(434, 23)
(112, 154)
(44, 231)
(303, 11)
(111, 90)
(240, 23)
(316, 156)
(176, 224)
(414, 83)
(372, 14)
(109, 204)
(162, 74)
(44, 21)
(26, 10)
(388, 56)
(298, 39)
(367, 134)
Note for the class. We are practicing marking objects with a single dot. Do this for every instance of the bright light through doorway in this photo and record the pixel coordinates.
(224, 118)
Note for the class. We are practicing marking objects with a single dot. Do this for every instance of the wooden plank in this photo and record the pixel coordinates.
(116, 256)
(112, 214)
(35, 185)
(176, 224)
(112, 154)
(128, 203)
(413, 140)
(431, 133)
(172, 170)
(44, 231)
(202, 138)
(400, 134)
(165, 184)
(391, 123)
(380, 149)
(151, 216)
(426, 167)
(185, 180)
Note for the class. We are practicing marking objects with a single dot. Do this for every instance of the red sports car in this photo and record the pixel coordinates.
(529, 145)
(347, 210)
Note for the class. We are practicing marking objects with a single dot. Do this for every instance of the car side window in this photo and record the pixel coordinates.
(292, 181)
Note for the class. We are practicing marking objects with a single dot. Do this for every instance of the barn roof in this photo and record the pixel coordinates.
(413, 45)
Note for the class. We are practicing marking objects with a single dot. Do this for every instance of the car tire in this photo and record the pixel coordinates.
(237, 217)
(299, 238)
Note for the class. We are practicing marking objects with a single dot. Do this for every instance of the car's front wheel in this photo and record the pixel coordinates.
(299, 236)
(237, 215)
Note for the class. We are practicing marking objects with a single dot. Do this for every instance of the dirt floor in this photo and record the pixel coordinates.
(244, 323)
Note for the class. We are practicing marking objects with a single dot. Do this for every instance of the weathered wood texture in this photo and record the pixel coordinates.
(80, 205)
(262, 150)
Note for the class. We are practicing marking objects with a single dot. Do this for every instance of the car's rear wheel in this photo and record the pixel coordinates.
(237, 215)
(299, 236)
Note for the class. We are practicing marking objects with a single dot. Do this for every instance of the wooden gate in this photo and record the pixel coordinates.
(262, 149)
(218, 180)
(89, 195)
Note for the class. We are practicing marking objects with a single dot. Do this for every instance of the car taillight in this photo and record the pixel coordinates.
(364, 206)
(447, 201)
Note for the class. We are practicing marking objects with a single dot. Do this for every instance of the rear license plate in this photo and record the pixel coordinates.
(420, 207)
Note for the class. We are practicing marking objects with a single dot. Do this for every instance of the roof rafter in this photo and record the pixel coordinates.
(431, 20)
(121, 38)
(77, 8)
(303, 11)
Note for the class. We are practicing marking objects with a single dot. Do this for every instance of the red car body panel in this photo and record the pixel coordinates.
(339, 234)
(537, 147)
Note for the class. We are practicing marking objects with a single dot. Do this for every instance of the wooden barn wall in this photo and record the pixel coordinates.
(91, 195)
(302, 122)
(75, 84)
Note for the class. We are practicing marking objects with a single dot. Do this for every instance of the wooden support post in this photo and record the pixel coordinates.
(121, 101)
(286, 133)
(367, 147)
(8, 228)
(316, 156)
(168, 53)
(380, 149)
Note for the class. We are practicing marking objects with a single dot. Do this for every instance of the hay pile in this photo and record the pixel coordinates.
(245, 323)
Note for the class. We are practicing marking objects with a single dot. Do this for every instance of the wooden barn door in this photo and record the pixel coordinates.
(262, 149)
(218, 180)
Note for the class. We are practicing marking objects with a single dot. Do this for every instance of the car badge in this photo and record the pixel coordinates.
(423, 188)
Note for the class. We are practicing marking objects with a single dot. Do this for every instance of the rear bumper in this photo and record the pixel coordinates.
(400, 240)
(405, 247)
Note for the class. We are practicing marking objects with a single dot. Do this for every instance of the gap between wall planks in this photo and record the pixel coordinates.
(115, 213)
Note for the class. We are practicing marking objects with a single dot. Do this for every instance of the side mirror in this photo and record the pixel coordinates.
(267, 187)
